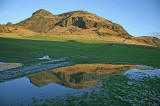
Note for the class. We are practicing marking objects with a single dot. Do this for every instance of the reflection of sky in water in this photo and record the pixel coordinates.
(58, 82)
(20, 91)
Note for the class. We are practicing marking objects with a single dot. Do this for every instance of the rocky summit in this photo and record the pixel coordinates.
(75, 24)
(44, 21)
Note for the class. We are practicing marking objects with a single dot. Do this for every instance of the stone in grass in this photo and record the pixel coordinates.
(46, 57)
(138, 74)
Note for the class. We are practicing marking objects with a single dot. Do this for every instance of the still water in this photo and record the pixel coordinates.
(59, 82)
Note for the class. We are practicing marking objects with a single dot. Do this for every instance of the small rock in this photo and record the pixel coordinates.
(46, 57)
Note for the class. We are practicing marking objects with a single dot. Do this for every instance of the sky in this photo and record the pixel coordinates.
(138, 17)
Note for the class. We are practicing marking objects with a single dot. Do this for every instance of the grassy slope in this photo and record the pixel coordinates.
(27, 49)
(114, 91)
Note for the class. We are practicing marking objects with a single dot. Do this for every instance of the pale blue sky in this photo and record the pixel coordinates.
(138, 17)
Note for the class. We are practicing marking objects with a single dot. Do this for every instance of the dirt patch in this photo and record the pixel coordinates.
(39, 67)
(7, 66)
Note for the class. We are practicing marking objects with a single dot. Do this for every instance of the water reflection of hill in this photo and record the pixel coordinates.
(78, 76)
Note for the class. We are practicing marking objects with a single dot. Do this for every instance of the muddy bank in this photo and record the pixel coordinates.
(15, 73)
(7, 66)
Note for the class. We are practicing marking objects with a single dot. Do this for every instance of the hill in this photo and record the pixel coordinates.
(76, 24)
(44, 21)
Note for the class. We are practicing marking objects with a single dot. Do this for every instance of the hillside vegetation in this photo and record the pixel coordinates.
(75, 24)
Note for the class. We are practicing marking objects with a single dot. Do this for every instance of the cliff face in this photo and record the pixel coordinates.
(44, 21)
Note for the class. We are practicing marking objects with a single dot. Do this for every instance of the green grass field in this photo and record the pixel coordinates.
(28, 49)
(115, 90)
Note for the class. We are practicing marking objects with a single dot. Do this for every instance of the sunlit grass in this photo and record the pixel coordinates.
(27, 50)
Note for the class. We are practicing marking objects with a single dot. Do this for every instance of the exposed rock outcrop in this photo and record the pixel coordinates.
(44, 21)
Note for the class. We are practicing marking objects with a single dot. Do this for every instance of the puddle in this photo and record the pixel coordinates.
(78, 76)
(7, 66)
(58, 82)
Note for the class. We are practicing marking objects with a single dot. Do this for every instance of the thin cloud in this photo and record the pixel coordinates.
(155, 34)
